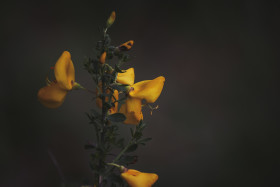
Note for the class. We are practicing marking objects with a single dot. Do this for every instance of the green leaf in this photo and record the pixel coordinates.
(119, 87)
(125, 58)
(120, 143)
(137, 135)
(141, 126)
(107, 105)
(107, 40)
(99, 45)
(132, 148)
(117, 117)
(127, 159)
(117, 69)
(144, 140)
(95, 113)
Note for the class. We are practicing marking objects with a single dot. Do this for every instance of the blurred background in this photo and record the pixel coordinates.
(217, 124)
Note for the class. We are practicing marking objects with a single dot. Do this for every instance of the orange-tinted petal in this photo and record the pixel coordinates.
(52, 96)
(127, 77)
(64, 71)
(132, 172)
(126, 46)
(149, 90)
(136, 178)
(132, 109)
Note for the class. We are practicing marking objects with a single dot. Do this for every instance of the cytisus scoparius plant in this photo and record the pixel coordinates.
(120, 100)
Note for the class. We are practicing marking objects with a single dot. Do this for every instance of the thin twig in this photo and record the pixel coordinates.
(56, 166)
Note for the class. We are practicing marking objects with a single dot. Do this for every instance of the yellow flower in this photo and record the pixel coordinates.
(136, 178)
(64, 71)
(53, 95)
(148, 90)
(132, 109)
(127, 77)
(112, 110)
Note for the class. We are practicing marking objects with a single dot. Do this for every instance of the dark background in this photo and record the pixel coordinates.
(217, 121)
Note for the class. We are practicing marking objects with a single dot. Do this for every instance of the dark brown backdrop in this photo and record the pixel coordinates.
(217, 122)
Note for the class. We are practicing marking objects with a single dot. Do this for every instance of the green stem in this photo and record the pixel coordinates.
(126, 147)
(103, 102)
(118, 157)
(105, 31)
(116, 165)
(122, 152)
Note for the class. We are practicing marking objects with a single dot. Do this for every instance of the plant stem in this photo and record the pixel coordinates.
(118, 157)
(124, 149)
(113, 164)
(122, 152)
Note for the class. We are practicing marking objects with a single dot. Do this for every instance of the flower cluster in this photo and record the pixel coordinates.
(120, 100)
(148, 90)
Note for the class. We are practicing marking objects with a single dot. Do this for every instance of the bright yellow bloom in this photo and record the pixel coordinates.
(53, 95)
(127, 77)
(148, 90)
(64, 71)
(136, 178)
(132, 109)
(116, 97)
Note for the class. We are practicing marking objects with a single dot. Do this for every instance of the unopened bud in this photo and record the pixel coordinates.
(126, 46)
(102, 58)
(111, 19)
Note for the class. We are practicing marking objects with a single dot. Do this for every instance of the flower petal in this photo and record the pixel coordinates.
(64, 71)
(136, 178)
(126, 77)
(132, 109)
(52, 96)
(149, 90)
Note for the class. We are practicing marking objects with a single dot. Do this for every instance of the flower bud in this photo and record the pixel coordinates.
(111, 19)
(126, 46)
(102, 58)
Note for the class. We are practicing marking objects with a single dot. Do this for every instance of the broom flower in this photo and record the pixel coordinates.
(53, 95)
(136, 178)
(148, 90)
